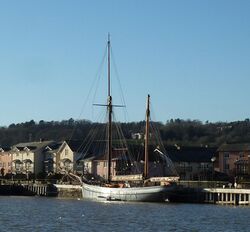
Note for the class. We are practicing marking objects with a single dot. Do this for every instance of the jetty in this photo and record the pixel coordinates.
(210, 193)
(229, 196)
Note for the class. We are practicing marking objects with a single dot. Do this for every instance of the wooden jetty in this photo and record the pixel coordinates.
(229, 196)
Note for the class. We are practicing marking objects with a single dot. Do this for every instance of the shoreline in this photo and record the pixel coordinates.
(182, 194)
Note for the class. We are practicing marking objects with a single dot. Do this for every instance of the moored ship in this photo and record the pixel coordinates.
(129, 187)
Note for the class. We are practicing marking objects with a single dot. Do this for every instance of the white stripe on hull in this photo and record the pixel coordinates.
(149, 194)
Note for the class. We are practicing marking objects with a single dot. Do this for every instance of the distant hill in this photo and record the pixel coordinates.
(174, 131)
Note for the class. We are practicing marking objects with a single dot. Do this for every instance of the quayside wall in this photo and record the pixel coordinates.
(69, 191)
(41, 189)
(184, 192)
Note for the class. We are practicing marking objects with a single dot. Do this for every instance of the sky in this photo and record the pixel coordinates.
(191, 56)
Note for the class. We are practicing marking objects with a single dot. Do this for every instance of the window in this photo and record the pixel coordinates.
(204, 166)
(66, 152)
(226, 155)
(17, 166)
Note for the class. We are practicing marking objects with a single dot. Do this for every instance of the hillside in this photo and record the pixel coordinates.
(174, 131)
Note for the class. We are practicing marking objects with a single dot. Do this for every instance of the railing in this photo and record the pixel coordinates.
(189, 184)
(184, 169)
(22, 170)
(25, 181)
(203, 184)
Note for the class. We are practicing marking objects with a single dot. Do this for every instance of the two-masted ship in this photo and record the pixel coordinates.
(135, 187)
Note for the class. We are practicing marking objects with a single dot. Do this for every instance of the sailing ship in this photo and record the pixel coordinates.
(131, 187)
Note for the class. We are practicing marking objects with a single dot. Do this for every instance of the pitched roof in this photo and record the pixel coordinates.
(76, 145)
(32, 145)
(234, 147)
(21, 148)
(5, 149)
(177, 154)
(191, 154)
(53, 147)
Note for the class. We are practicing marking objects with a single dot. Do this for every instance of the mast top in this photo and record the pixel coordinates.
(108, 37)
(109, 91)
(148, 107)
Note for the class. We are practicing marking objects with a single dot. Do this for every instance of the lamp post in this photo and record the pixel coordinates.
(11, 159)
(248, 173)
(27, 174)
(213, 159)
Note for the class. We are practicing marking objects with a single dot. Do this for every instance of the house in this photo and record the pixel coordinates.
(124, 162)
(46, 157)
(137, 135)
(5, 160)
(94, 160)
(78, 152)
(40, 157)
(234, 159)
(193, 163)
(65, 159)
(52, 157)
(28, 158)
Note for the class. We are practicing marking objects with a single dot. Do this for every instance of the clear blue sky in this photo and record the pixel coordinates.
(193, 57)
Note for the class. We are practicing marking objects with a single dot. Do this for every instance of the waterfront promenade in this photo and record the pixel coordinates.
(191, 192)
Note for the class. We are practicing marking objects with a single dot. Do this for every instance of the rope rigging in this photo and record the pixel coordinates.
(95, 144)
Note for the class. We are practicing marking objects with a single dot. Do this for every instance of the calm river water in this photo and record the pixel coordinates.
(52, 214)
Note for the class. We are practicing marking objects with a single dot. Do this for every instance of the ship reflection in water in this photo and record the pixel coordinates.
(52, 214)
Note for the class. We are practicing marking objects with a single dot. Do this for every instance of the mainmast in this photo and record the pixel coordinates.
(109, 105)
(147, 138)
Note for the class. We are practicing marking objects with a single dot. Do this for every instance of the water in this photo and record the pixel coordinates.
(52, 214)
